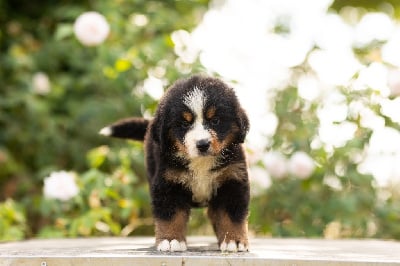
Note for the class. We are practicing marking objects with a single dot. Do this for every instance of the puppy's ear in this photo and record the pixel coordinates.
(244, 125)
(157, 128)
(129, 128)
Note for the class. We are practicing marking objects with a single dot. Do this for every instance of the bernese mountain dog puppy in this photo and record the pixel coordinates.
(195, 158)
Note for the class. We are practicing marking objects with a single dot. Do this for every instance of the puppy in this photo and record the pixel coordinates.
(195, 158)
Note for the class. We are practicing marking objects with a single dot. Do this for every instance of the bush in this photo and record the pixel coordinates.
(13, 221)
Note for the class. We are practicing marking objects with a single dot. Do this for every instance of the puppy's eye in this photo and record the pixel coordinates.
(185, 124)
(214, 121)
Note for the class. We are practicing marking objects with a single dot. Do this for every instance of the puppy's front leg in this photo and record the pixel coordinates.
(231, 235)
(171, 233)
(228, 213)
(171, 211)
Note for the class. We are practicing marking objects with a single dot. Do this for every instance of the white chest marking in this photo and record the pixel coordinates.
(203, 182)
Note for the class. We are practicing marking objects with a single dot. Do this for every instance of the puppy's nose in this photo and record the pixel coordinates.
(203, 145)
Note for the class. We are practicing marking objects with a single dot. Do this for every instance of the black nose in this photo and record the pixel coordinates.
(203, 145)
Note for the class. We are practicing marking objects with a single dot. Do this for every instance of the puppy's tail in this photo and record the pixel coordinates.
(129, 128)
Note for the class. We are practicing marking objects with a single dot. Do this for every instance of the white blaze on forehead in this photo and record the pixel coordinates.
(195, 100)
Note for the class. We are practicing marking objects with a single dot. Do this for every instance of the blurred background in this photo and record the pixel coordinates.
(320, 80)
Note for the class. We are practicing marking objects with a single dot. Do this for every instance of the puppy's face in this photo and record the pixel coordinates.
(205, 122)
(198, 130)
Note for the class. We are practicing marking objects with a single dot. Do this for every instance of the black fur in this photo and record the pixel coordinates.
(130, 128)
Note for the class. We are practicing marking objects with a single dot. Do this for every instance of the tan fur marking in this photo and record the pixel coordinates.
(177, 176)
(216, 146)
(231, 136)
(182, 151)
(226, 230)
(237, 171)
(187, 116)
(173, 229)
(211, 112)
(181, 148)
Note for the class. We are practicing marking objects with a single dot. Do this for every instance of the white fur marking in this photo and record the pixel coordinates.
(198, 132)
(223, 246)
(163, 245)
(195, 101)
(231, 246)
(173, 245)
(203, 183)
(242, 247)
(183, 246)
(106, 131)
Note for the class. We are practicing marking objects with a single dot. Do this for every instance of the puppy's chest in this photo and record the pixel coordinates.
(198, 178)
(201, 180)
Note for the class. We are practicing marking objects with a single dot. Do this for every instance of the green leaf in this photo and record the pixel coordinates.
(63, 31)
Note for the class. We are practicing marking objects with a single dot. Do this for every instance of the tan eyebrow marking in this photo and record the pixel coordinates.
(211, 112)
(187, 116)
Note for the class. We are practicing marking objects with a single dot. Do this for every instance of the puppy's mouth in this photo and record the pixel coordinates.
(204, 153)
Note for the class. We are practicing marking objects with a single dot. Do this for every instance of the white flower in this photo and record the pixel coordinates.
(301, 165)
(382, 156)
(391, 108)
(154, 87)
(139, 20)
(60, 185)
(41, 83)
(259, 179)
(390, 49)
(91, 28)
(276, 164)
(184, 46)
(373, 26)
(393, 81)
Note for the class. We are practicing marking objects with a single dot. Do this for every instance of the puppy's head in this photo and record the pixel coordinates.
(199, 116)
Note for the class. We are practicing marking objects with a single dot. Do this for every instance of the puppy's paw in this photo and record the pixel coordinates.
(173, 245)
(233, 246)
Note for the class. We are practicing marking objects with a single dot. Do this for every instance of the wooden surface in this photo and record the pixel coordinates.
(201, 251)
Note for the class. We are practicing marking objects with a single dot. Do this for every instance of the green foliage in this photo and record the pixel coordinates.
(391, 6)
(12, 222)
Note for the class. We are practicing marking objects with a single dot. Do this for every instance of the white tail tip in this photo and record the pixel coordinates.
(106, 131)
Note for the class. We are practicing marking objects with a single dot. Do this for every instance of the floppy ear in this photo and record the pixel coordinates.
(243, 123)
(156, 129)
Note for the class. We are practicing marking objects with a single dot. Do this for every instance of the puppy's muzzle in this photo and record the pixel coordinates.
(203, 145)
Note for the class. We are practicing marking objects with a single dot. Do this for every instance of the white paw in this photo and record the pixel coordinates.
(173, 245)
(233, 247)
(242, 247)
